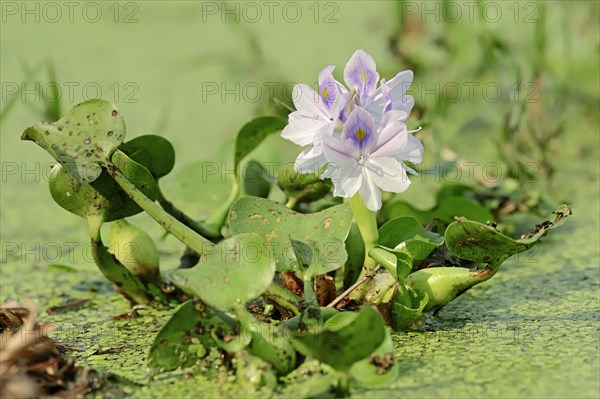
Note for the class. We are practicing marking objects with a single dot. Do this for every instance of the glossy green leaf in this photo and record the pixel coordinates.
(103, 197)
(136, 173)
(444, 284)
(380, 369)
(253, 133)
(355, 247)
(447, 210)
(83, 140)
(398, 263)
(343, 339)
(316, 258)
(155, 153)
(409, 316)
(277, 224)
(399, 208)
(269, 344)
(186, 337)
(201, 186)
(481, 243)
(454, 207)
(452, 190)
(406, 235)
(229, 274)
(256, 180)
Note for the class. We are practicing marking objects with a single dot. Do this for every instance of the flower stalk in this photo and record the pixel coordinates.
(182, 232)
(367, 225)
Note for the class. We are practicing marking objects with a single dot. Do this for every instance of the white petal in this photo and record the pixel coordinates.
(413, 152)
(404, 103)
(346, 177)
(392, 139)
(388, 174)
(375, 108)
(348, 180)
(401, 107)
(370, 193)
(301, 129)
(310, 160)
(309, 103)
(342, 168)
(399, 84)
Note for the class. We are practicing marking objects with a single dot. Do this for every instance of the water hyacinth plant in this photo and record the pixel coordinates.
(306, 290)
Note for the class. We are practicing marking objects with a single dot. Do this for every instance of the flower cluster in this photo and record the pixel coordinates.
(359, 132)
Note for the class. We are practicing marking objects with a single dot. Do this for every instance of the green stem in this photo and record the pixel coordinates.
(112, 269)
(343, 387)
(182, 232)
(291, 202)
(185, 219)
(309, 292)
(244, 316)
(367, 225)
(217, 219)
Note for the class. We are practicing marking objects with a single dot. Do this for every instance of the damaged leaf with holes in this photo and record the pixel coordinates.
(83, 140)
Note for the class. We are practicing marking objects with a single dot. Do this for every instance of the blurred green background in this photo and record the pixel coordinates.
(495, 83)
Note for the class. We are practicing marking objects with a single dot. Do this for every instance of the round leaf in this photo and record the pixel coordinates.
(316, 258)
(253, 133)
(406, 235)
(103, 197)
(186, 330)
(154, 152)
(343, 339)
(229, 274)
(83, 140)
(277, 224)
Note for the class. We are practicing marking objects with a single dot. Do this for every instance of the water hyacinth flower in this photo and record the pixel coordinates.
(317, 115)
(367, 157)
(320, 124)
(361, 77)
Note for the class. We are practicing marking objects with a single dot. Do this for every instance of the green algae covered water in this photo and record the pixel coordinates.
(531, 331)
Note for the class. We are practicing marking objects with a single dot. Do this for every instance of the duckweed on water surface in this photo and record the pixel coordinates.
(263, 328)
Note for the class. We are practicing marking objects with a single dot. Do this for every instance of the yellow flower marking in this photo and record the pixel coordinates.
(360, 134)
(325, 93)
(363, 76)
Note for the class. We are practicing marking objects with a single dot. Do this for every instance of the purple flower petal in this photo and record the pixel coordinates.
(360, 132)
(361, 72)
(332, 92)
